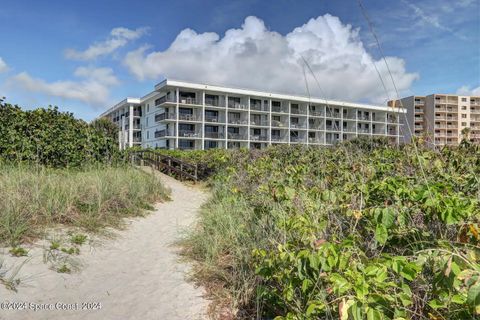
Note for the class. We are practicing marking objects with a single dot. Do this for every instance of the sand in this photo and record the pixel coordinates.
(136, 275)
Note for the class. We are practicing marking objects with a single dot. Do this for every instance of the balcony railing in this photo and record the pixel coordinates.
(237, 106)
(316, 113)
(333, 114)
(137, 126)
(188, 133)
(314, 140)
(211, 119)
(259, 123)
(363, 130)
(237, 121)
(332, 128)
(278, 138)
(278, 109)
(276, 123)
(298, 126)
(365, 118)
(137, 139)
(164, 133)
(236, 136)
(137, 113)
(297, 139)
(164, 99)
(165, 116)
(189, 117)
(259, 138)
(188, 100)
(298, 111)
(349, 130)
(214, 135)
(258, 107)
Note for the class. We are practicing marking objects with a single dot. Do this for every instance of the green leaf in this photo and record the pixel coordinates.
(340, 284)
(473, 295)
(373, 314)
(381, 234)
(459, 299)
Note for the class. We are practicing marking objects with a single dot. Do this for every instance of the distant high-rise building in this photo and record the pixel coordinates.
(443, 119)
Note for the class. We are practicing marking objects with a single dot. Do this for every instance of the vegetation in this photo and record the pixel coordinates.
(91, 198)
(53, 138)
(344, 233)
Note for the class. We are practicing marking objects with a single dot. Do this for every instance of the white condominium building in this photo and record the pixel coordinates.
(183, 115)
(442, 119)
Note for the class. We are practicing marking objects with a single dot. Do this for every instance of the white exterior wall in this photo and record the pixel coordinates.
(310, 127)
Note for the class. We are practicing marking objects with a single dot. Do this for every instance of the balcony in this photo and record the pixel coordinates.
(263, 123)
(332, 128)
(279, 124)
(137, 126)
(363, 130)
(364, 118)
(314, 140)
(236, 136)
(330, 114)
(189, 117)
(164, 133)
(298, 126)
(237, 121)
(351, 130)
(163, 100)
(315, 113)
(237, 106)
(297, 139)
(211, 119)
(278, 109)
(188, 100)
(298, 111)
(165, 116)
(188, 133)
(137, 113)
(278, 138)
(258, 107)
(137, 139)
(214, 135)
(258, 138)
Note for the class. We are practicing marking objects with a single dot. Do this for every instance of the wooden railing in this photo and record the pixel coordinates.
(171, 166)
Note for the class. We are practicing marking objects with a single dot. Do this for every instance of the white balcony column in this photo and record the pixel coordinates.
(226, 121)
(203, 120)
(130, 126)
(308, 123)
(356, 122)
(386, 124)
(177, 112)
(248, 123)
(270, 124)
(325, 124)
(289, 120)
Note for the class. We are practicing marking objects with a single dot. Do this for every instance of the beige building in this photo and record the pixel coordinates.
(440, 118)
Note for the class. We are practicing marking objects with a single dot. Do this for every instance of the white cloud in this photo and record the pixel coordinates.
(119, 37)
(255, 57)
(3, 66)
(468, 91)
(93, 88)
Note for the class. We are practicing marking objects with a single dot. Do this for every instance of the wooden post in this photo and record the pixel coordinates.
(181, 171)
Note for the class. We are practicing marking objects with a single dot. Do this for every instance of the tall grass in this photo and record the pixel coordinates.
(92, 198)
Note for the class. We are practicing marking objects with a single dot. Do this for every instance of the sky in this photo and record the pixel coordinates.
(85, 56)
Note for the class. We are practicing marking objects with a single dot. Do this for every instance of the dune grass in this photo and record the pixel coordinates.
(92, 198)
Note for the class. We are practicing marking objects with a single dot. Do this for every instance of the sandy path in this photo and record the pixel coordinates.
(134, 276)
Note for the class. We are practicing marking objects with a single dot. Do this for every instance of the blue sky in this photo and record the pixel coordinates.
(87, 55)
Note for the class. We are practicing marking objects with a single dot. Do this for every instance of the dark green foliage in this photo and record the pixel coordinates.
(53, 138)
(351, 232)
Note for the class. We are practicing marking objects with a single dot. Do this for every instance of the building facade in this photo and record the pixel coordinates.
(442, 119)
(182, 115)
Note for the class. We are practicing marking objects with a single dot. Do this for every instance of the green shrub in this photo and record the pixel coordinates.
(351, 232)
(53, 138)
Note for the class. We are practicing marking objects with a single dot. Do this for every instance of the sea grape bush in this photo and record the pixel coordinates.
(352, 232)
(53, 138)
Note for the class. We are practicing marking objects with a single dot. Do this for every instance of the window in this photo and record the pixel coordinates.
(464, 116)
(464, 107)
(276, 103)
(257, 132)
(276, 118)
(212, 100)
(209, 144)
(148, 134)
(146, 121)
(148, 108)
(188, 111)
(211, 129)
(464, 99)
(275, 133)
(294, 120)
(233, 130)
(311, 134)
(464, 124)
